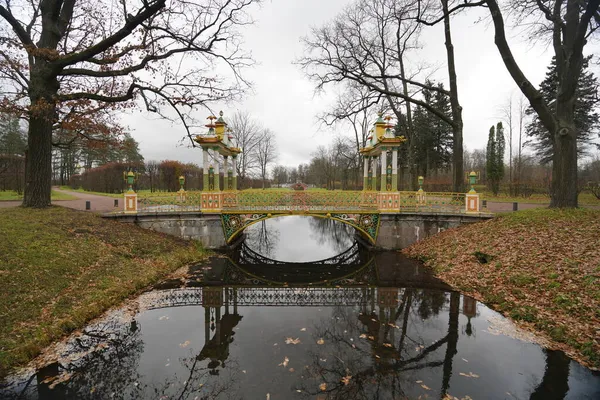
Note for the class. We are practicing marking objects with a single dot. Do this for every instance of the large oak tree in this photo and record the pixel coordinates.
(64, 61)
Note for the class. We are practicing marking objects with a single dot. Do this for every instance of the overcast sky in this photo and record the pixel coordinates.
(284, 100)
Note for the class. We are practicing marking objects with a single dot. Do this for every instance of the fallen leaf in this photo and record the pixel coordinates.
(184, 344)
(164, 317)
(363, 336)
(424, 386)
(303, 330)
(465, 360)
(346, 379)
(387, 344)
(419, 381)
(289, 340)
(320, 341)
(291, 369)
(285, 362)
(323, 386)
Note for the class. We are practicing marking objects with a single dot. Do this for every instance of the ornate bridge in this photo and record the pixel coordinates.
(363, 209)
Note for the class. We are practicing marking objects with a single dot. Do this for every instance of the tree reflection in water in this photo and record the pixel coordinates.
(336, 234)
(105, 365)
(263, 238)
(384, 362)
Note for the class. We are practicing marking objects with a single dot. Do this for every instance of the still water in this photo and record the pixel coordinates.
(302, 311)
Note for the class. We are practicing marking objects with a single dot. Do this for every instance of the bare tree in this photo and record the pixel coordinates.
(506, 114)
(266, 153)
(246, 132)
(569, 23)
(63, 61)
(367, 44)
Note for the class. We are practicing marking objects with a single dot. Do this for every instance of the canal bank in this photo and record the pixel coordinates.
(538, 267)
(61, 268)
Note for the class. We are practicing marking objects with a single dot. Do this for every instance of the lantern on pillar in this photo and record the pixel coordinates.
(420, 192)
(472, 181)
(130, 196)
(181, 194)
(472, 198)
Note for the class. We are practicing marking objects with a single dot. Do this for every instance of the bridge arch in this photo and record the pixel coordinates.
(367, 223)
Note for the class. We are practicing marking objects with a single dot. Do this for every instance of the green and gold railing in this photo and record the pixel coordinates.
(309, 201)
(169, 202)
(317, 201)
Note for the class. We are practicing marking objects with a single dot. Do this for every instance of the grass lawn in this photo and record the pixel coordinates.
(539, 267)
(60, 268)
(12, 195)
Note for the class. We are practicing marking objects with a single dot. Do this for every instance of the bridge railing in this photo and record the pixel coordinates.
(279, 200)
(306, 201)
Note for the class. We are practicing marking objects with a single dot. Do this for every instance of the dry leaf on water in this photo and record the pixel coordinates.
(387, 344)
(320, 341)
(303, 330)
(323, 386)
(184, 344)
(424, 386)
(285, 362)
(363, 336)
(346, 379)
(289, 340)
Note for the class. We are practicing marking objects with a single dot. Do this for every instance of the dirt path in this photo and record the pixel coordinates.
(99, 204)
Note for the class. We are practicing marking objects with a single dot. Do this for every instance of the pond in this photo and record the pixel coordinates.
(301, 310)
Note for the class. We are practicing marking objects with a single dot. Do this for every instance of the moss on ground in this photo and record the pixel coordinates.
(545, 272)
(61, 268)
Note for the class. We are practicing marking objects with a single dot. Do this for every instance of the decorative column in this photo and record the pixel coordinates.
(395, 169)
(225, 173)
(366, 172)
(374, 173)
(217, 179)
(205, 169)
(234, 173)
(383, 183)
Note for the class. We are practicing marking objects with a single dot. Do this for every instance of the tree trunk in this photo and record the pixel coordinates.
(457, 127)
(564, 169)
(38, 163)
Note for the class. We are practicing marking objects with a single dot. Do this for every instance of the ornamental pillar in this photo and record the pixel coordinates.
(226, 185)
(205, 167)
(234, 173)
(383, 170)
(373, 173)
(217, 179)
(366, 173)
(394, 169)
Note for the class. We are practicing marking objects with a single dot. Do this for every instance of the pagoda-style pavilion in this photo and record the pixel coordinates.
(218, 142)
(382, 144)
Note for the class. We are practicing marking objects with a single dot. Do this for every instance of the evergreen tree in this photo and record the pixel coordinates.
(12, 138)
(587, 118)
(433, 137)
(495, 158)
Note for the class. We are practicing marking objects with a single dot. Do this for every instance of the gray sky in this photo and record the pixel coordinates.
(284, 100)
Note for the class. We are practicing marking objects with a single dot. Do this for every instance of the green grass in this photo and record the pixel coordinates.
(584, 198)
(8, 195)
(60, 268)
